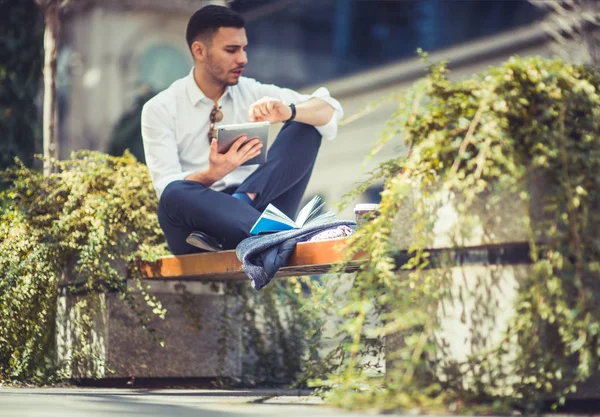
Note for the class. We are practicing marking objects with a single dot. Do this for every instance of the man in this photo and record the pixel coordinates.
(201, 190)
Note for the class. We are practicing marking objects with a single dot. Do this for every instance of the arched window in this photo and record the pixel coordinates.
(160, 65)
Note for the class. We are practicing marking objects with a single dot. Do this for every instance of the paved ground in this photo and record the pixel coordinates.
(71, 402)
(115, 402)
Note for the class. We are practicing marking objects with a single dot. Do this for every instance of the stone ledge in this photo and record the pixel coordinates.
(120, 347)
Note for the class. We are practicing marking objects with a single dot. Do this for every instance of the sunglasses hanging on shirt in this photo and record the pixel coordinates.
(216, 115)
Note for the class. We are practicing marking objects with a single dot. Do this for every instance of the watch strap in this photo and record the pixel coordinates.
(293, 107)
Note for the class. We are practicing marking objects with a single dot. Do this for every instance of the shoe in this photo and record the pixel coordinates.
(205, 242)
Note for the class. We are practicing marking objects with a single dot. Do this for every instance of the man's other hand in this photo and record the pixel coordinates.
(221, 164)
(269, 109)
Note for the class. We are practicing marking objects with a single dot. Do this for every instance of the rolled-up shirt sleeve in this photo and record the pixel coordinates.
(160, 147)
(329, 130)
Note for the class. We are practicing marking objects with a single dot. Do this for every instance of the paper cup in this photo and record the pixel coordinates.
(364, 212)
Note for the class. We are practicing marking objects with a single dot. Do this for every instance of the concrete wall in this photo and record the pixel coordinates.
(201, 334)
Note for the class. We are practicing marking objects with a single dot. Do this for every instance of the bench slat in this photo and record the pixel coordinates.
(308, 258)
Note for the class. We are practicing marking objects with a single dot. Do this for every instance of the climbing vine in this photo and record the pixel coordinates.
(73, 231)
(514, 151)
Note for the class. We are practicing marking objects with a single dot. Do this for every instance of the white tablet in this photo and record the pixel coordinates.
(227, 134)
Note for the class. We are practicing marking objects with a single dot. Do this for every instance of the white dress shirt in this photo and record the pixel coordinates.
(175, 125)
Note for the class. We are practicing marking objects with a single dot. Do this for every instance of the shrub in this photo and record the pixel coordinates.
(94, 214)
(471, 142)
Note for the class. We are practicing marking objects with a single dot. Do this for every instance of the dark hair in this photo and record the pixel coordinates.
(206, 21)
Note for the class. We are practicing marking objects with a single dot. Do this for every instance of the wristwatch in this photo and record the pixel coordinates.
(293, 107)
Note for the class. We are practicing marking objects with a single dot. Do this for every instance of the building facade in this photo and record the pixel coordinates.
(112, 52)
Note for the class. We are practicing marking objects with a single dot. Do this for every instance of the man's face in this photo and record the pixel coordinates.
(226, 55)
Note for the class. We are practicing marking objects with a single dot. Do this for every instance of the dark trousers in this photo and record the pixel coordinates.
(188, 206)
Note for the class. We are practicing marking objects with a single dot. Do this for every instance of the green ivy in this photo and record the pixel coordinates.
(76, 229)
(474, 143)
(278, 325)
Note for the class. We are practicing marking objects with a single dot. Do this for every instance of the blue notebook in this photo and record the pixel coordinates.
(274, 220)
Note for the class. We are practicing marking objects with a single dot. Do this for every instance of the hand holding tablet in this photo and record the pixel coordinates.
(228, 134)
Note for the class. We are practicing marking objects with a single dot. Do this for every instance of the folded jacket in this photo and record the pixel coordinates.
(263, 255)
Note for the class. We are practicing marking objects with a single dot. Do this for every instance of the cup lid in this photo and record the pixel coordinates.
(366, 207)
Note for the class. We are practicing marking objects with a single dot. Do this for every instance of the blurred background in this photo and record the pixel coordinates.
(116, 54)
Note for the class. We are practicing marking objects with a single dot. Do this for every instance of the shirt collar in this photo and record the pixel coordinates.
(195, 93)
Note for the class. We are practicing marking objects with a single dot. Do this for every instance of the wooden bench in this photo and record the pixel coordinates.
(312, 258)
(309, 258)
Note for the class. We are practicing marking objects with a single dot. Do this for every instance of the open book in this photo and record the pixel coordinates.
(273, 220)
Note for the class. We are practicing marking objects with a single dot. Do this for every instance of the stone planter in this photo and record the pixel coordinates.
(199, 341)
(484, 269)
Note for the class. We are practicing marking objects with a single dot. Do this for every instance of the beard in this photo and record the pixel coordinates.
(218, 74)
(232, 82)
